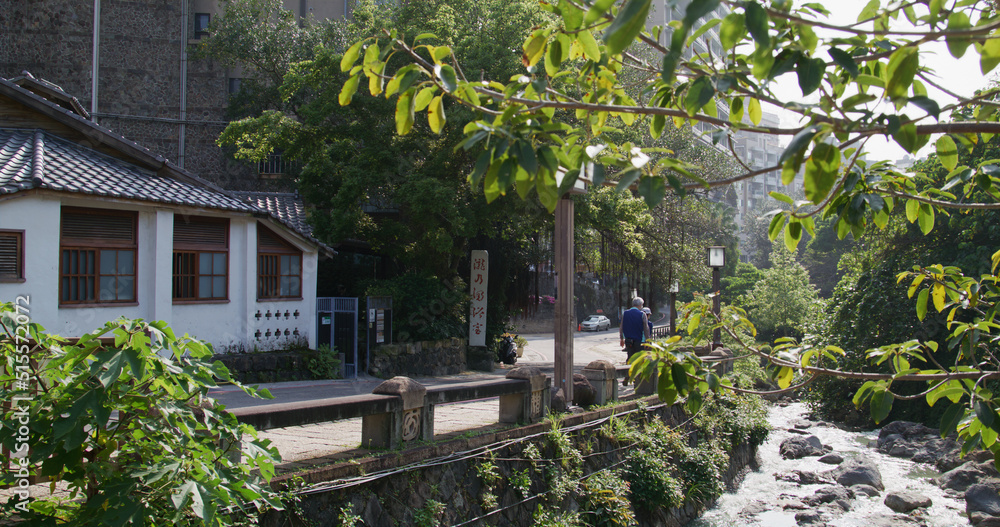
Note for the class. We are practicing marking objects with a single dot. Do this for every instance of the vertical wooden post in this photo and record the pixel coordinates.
(564, 299)
(673, 313)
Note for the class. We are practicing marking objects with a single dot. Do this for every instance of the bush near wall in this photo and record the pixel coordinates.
(271, 366)
(653, 466)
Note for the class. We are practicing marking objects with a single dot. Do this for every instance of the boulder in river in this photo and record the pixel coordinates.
(906, 501)
(970, 473)
(867, 490)
(809, 518)
(858, 470)
(982, 498)
(830, 494)
(803, 477)
(831, 459)
(798, 447)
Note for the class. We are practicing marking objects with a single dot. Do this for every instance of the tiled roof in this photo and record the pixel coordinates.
(39, 160)
(287, 208)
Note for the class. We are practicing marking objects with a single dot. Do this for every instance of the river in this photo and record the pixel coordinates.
(755, 501)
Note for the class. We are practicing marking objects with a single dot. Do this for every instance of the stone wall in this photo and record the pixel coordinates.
(251, 368)
(414, 359)
(406, 482)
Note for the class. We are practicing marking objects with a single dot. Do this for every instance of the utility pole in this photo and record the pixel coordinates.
(564, 298)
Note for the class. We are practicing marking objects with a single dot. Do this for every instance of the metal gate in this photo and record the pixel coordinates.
(337, 318)
(379, 318)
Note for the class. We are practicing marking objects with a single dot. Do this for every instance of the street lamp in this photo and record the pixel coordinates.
(716, 260)
(675, 286)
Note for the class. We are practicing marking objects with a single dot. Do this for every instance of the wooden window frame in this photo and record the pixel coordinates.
(271, 282)
(96, 245)
(19, 263)
(198, 249)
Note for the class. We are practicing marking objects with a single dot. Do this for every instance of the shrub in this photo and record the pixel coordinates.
(604, 502)
(130, 429)
(324, 363)
(649, 481)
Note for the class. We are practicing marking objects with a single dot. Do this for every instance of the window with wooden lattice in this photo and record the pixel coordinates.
(11, 256)
(279, 266)
(201, 259)
(97, 261)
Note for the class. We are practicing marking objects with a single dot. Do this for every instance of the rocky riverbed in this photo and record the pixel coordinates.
(813, 473)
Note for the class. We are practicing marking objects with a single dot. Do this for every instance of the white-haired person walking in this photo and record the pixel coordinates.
(634, 330)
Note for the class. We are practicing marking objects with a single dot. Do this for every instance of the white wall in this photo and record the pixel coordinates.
(229, 326)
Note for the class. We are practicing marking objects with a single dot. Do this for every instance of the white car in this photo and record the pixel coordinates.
(595, 323)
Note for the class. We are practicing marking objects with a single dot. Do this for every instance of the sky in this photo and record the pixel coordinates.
(961, 76)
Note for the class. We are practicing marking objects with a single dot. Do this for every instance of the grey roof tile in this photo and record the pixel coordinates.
(288, 208)
(59, 164)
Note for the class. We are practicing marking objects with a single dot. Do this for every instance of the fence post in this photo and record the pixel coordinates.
(531, 405)
(406, 422)
(603, 377)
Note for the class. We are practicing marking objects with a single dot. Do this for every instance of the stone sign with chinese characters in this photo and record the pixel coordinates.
(477, 290)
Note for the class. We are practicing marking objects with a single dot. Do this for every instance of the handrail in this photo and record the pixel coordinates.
(470, 391)
(282, 415)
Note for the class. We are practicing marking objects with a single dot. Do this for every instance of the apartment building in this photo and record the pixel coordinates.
(131, 65)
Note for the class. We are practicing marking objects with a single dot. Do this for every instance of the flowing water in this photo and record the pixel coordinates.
(760, 490)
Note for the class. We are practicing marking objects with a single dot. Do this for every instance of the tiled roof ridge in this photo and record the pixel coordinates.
(38, 159)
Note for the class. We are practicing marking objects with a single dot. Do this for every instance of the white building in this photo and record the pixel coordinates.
(94, 227)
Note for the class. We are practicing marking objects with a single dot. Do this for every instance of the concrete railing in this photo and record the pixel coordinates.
(401, 409)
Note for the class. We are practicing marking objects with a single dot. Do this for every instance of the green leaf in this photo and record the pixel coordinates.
(694, 402)
(984, 412)
(534, 49)
(754, 111)
(906, 137)
(572, 17)
(679, 376)
(628, 24)
(404, 112)
(926, 104)
(349, 89)
(553, 58)
(798, 142)
(597, 11)
(922, 304)
(844, 60)
(628, 177)
(699, 93)
(810, 73)
(881, 404)
(702, 30)
(958, 21)
(736, 110)
(785, 376)
(424, 36)
(989, 55)
(822, 169)
(864, 393)
(351, 56)
(903, 65)
(435, 115)
(371, 54)
(776, 226)
(589, 43)
(652, 189)
(947, 152)
(733, 30)
(697, 9)
(526, 157)
(423, 98)
(793, 233)
(447, 75)
(950, 419)
(925, 219)
(757, 23)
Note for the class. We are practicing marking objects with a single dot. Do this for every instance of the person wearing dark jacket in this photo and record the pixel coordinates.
(633, 330)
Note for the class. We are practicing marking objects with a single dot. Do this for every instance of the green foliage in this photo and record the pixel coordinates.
(649, 481)
(783, 301)
(737, 287)
(426, 307)
(604, 501)
(324, 363)
(429, 515)
(129, 428)
(544, 517)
